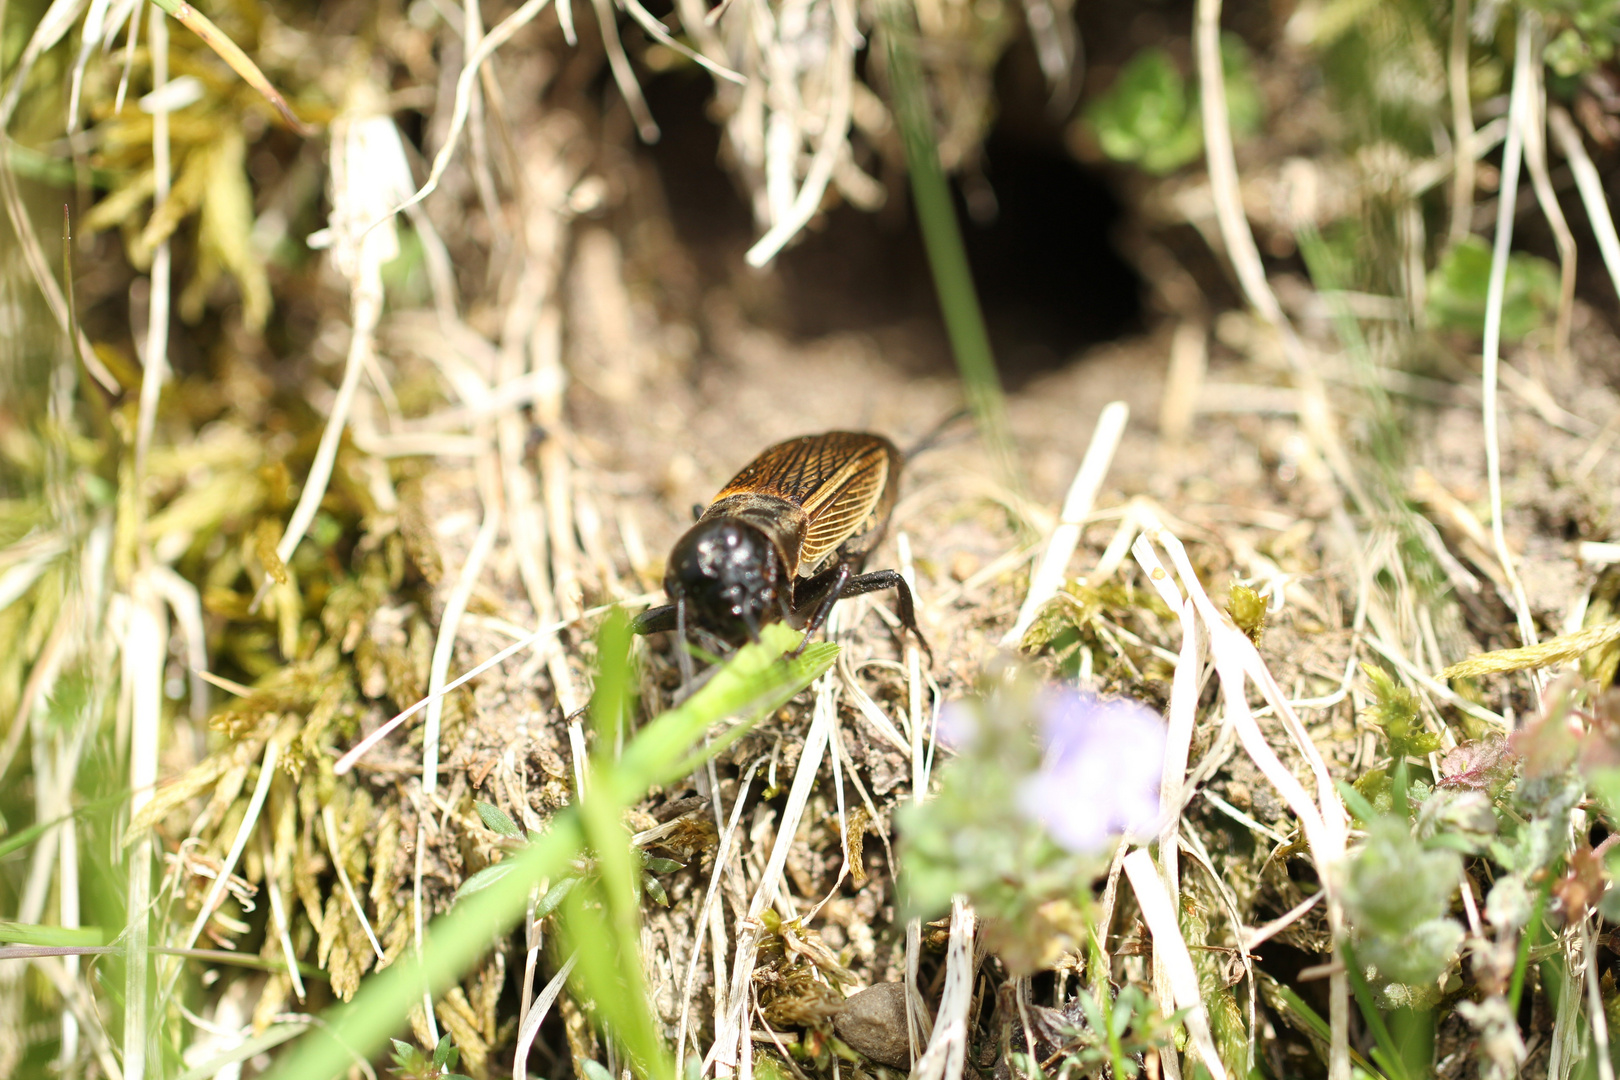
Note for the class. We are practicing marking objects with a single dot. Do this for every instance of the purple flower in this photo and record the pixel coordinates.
(958, 725)
(1100, 775)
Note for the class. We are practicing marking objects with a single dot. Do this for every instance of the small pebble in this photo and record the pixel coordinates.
(873, 1022)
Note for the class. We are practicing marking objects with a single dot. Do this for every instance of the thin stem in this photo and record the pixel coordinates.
(947, 257)
(1394, 1065)
(1105, 1007)
(1521, 963)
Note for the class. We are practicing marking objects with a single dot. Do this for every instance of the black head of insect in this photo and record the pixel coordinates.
(730, 578)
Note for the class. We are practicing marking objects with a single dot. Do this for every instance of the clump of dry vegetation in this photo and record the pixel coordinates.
(1270, 726)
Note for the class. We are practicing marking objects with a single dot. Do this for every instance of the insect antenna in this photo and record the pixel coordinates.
(936, 435)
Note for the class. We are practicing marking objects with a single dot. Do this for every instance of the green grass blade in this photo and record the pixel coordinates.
(942, 237)
(269, 1040)
(1312, 1019)
(755, 680)
(34, 832)
(1521, 963)
(59, 936)
(1387, 1056)
(454, 942)
(603, 920)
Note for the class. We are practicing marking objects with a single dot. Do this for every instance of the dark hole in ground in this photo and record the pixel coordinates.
(1050, 282)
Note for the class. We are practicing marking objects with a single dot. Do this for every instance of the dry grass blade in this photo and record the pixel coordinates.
(1170, 947)
(797, 211)
(1564, 649)
(228, 51)
(1590, 186)
(278, 913)
(450, 622)
(1282, 922)
(730, 1049)
(1324, 824)
(497, 37)
(1183, 713)
(186, 604)
(1596, 1014)
(369, 172)
(1237, 662)
(91, 34)
(51, 28)
(538, 638)
(1462, 126)
(250, 820)
(921, 750)
(22, 226)
(722, 860)
(1535, 159)
(1077, 504)
(1512, 154)
(868, 707)
(155, 360)
(144, 644)
(649, 23)
(539, 1009)
(1223, 174)
(946, 1055)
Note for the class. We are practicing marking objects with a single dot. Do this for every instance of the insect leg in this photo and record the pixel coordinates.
(877, 581)
(817, 595)
(654, 620)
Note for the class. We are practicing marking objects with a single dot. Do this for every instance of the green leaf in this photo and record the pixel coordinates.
(1392, 884)
(554, 897)
(1150, 117)
(497, 821)
(1248, 610)
(1459, 285)
(1147, 116)
(655, 865)
(482, 880)
(1573, 52)
(756, 681)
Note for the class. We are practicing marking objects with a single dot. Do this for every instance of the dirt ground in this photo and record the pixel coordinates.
(605, 288)
(662, 410)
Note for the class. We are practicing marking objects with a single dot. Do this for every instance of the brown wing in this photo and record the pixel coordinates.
(838, 479)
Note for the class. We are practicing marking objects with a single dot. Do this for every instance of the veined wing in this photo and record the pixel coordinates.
(837, 478)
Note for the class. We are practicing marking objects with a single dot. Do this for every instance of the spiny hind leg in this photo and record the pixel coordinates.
(818, 594)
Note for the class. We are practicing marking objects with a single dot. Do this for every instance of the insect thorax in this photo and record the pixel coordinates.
(782, 522)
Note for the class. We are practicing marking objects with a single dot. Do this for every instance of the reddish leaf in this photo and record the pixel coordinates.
(1480, 765)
